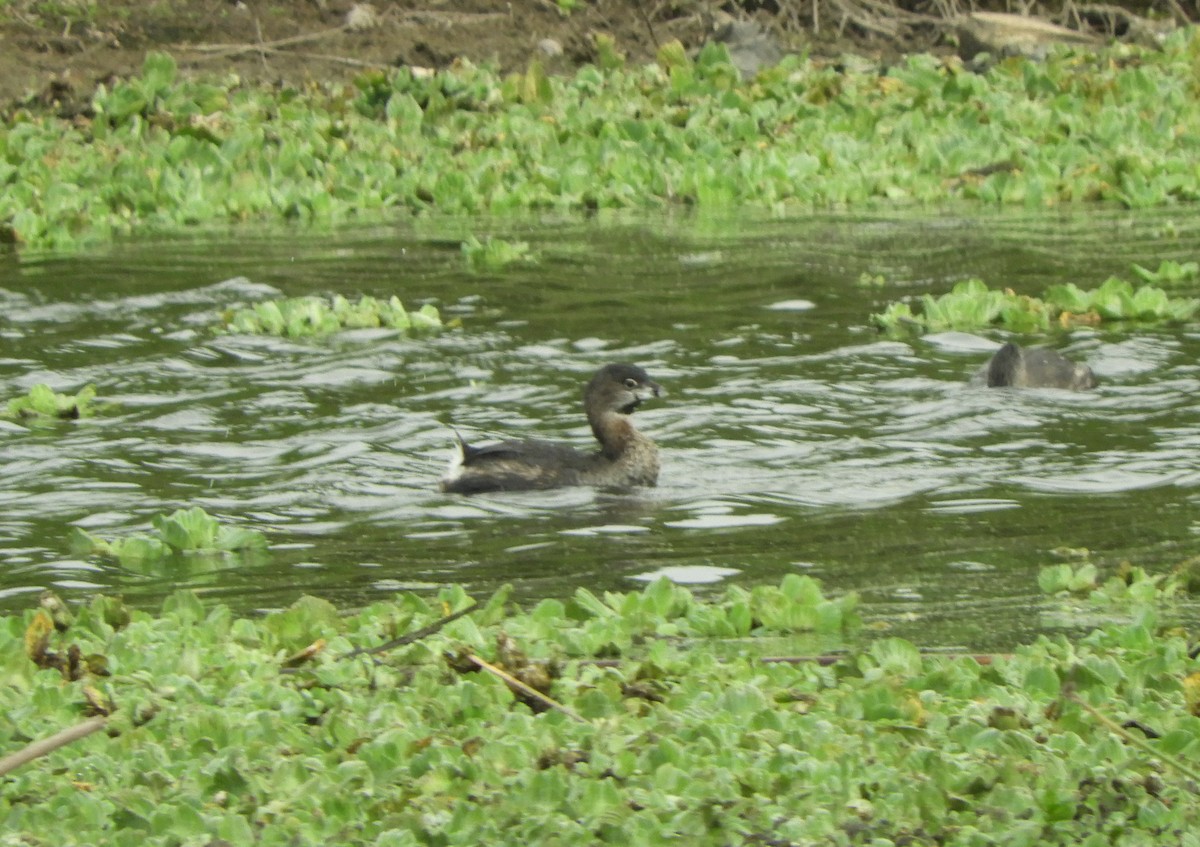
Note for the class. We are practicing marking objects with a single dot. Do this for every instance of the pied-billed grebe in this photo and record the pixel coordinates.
(1036, 367)
(625, 458)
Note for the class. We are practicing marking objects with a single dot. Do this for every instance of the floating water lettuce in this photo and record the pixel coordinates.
(300, 317)
(1058, 578)
(495, 254)
(306, 727)
(1128, 586)
(186, 532)
(971, 305)
(665, 609)
(1169, 273)
(42, 403)
(169, 150)
(1118, 300)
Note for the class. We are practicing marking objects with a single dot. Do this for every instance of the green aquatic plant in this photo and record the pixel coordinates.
(300, 317)
(971, 305)
(1118, 300)
(186, 532)
(1169, 273)
(1059, 578)
(1128, 586)
(43, 403)
(166, 150)
(310, 726)
(495, 254)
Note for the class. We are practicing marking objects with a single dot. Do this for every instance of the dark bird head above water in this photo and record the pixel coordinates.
(1036, 367)
(625, 458)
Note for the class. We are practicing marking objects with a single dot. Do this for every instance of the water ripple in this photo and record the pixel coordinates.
(794, 438)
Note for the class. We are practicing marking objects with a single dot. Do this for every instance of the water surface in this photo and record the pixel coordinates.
(794, 437)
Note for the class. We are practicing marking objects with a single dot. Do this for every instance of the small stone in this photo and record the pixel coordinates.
(550, 48)
(751, 46)
(362, 16)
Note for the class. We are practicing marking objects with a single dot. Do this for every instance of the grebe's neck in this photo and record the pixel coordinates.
(614, 431)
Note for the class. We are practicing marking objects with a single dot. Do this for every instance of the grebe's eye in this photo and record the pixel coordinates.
(631, 383)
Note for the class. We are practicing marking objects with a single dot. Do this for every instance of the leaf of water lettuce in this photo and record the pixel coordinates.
(426, 318)
(42, 402)
(139, 549)
(188, 529)
(1068, 297)
(234, 538)
(1169, 272)
(301, 317)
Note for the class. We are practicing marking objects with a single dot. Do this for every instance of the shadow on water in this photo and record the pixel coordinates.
(794, 437)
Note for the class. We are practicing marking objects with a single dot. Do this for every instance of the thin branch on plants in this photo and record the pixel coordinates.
(524, 689)
(834, 658)
(1141, 743)
(415, 635)
(45, 746)
(827, 659)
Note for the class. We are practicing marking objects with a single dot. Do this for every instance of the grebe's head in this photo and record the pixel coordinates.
(619, 388)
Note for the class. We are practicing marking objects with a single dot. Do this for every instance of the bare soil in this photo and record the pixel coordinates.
(61, 49)
(55, 52)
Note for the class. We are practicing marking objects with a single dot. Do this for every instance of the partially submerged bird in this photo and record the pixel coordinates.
(1035, 367)
(625, 458)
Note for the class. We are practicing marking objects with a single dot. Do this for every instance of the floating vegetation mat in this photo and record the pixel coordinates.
(162, 151)
(43, 404)
(642, 718)
(971, 305)
(298, 317)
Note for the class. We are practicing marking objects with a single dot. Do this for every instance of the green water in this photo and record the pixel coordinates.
(794, 437)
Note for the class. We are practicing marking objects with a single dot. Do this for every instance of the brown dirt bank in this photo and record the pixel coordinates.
(58, 50)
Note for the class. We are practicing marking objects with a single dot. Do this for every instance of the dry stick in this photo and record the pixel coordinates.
(824, 660)
(262, 53)
(1181, 16)
(1115, 13)
(327, 57)
(888, 11)
(1140, 743)
(232, 49)
(649, 26)
(410, 637)
(48, 745)
(407, 638)
(527, 690)
(833, 658)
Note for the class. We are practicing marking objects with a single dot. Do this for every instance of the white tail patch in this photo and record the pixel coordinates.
(455, 469)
